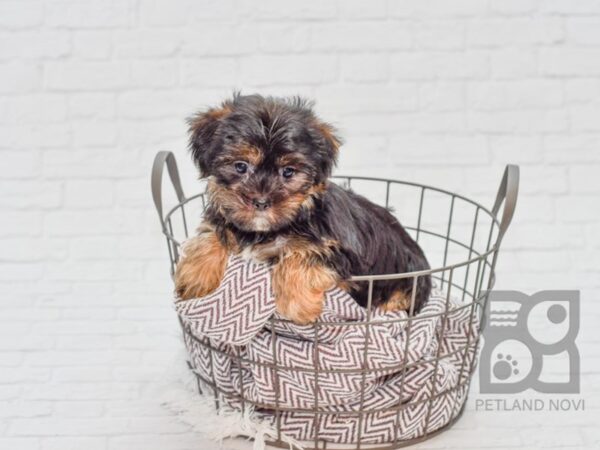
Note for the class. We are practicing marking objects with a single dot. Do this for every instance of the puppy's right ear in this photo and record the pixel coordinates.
(202, 128)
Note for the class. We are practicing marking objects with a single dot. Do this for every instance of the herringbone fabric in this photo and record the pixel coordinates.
(411, 377)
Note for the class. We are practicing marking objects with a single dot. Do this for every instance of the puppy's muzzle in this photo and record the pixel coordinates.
(261, 203)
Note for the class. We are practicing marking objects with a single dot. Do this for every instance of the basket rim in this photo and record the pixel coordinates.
(492, 248)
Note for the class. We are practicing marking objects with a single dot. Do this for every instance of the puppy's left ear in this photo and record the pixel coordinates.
(202, 129)
(331, 143)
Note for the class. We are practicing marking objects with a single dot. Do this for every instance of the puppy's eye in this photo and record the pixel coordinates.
(241, 167)
(287, 172)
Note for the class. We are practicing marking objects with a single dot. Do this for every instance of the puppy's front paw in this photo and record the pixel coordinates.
(398, 301)
(201, 268)
(299, 287)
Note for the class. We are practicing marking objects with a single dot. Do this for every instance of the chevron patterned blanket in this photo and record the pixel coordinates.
(406, 390)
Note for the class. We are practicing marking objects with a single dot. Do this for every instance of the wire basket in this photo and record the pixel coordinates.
(461, 239)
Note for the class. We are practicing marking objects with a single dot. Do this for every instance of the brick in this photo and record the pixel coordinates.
(68, 427)
(97, 105)
(584, 118)
(567, 7)
(264, 70)
(20, 164)
(74, 443)
(20, 443)
(570, 61)
(233, 39)
(458, 150)
(440, 34)
(87, 133)
(583, 31)
(28, 249)
(83, 342)
(20, 223)
(290, 9)
(429, 65)
(438, 122)
(22, 313)
(24, 374)
(513, 7)
(71, 223)
(544, 179)
(34, 45)
(365, 36)
(28, 136)
(359, 9)
(32, 194)
(19, 78)
(517, 31)
(10, 392)
(91, 45)
(90, 76)
(513, 62)
(172, 441)
(139, 375)
(33, 108)
(22, 408)
(517, 121)
(547, 236)
(579, 148)
(582, 90)
(138, 248)
(74, 328)
(154, 104)
(95, 271)
(86, 375)
(427, 8)
(89, 313)
(63, 358)
(284, 38)
(163, 13)
(88, 194)
(212, 9)
(16, 15)
(11, 359)
(209, 72)
(577, 208)
(364, 67)
(368, 99)
(60, 164)
(524, 149)
(592, 233)
(93, 248)
(441, 96)
(146, 43)
(515, 95)
(171, 132)
(584, 179)
(157, 74)
(90, 14)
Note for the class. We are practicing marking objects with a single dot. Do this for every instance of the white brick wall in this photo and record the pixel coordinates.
(443, 92)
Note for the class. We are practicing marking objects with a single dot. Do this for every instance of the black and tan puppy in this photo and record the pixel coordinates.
(267, 161)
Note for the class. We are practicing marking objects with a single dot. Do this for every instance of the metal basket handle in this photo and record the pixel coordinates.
(507, 193)
(162, 158)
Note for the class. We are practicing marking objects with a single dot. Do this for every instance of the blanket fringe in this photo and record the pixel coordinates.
(180, 396)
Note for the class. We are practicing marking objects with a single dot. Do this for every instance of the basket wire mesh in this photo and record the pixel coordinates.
(464, 245)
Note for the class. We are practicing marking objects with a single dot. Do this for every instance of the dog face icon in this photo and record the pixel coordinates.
(523, 334)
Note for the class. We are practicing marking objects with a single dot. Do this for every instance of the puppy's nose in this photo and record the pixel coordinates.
(261, 203)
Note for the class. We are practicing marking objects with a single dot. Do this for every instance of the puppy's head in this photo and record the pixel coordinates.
(266, 159)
